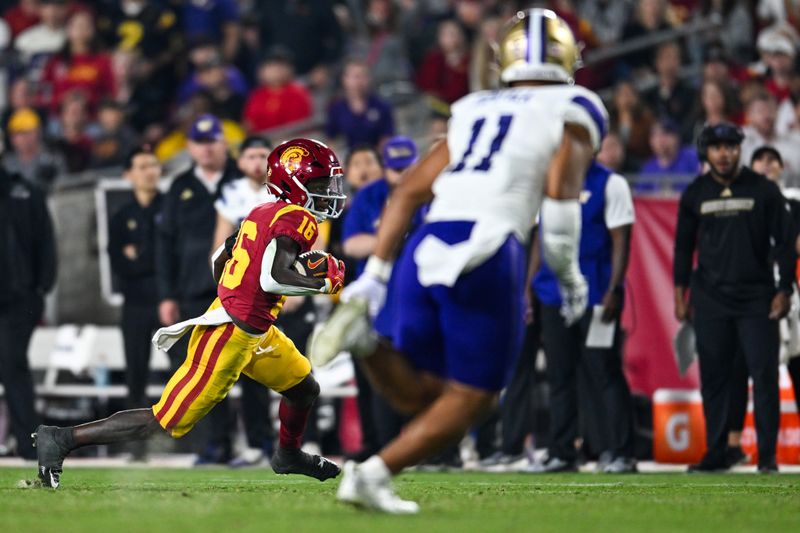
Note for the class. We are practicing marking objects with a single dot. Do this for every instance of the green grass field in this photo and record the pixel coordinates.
(122, 500)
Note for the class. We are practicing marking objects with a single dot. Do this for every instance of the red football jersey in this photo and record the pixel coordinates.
(239, 288)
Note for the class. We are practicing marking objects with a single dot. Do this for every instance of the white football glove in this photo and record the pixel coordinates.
(370, 286)
(574, 299)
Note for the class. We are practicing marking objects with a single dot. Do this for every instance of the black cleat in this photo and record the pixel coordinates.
(768, 467)
(50, 455)
(287, 461)
(708, 466)
(734, 456)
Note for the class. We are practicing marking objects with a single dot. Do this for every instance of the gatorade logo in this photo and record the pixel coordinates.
(678, 432)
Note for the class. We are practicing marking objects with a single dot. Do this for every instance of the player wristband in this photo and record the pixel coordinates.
(378, 268)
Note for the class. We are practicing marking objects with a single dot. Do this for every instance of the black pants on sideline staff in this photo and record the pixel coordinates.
(16, 328)
(139, 322)
(793, 367)
(737, 410)
(717, 340)
(516, 411)
(566, 351)
(380, 423)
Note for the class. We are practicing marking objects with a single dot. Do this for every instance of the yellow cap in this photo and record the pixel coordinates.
(24, 119)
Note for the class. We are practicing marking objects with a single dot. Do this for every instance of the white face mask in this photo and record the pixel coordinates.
(132, 8)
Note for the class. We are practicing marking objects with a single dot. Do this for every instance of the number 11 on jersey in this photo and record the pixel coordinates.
(485, 163)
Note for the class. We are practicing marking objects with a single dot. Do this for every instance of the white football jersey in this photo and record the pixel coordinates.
(501, 144)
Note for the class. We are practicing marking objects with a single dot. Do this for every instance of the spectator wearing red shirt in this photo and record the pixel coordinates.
(22, 16)
(444, 73)
(79, 66)
(278, 100)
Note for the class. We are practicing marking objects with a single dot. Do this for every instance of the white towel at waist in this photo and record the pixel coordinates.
(166, 337)
(440, 263)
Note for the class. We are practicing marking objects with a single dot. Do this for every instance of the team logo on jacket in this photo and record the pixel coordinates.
(292, 157)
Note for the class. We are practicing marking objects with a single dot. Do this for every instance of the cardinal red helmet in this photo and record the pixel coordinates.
(296, 163)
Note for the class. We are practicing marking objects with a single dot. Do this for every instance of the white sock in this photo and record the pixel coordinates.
(374, 468)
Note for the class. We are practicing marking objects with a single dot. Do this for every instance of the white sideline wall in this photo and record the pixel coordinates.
(83, 350)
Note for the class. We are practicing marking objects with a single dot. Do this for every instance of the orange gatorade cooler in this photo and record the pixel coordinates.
(679, 430)
(788, 451)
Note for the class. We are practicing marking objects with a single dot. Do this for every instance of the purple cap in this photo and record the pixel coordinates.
(206, 128)
(399, 152)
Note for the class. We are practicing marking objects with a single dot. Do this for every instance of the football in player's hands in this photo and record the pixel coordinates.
(313, 264)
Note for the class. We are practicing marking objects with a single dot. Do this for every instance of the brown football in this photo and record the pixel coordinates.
(313, 264)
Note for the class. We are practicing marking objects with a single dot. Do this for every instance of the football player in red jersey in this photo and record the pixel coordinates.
(235, 335)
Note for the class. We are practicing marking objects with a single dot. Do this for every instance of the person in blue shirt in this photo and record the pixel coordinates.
(607, 217)
(669, 157)
(360, 116)
(217, 20)
(361, 220)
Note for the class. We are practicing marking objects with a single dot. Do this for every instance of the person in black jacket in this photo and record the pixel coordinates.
(184, 239)
(131, 248)
(27, 273)
(739, 223)
(186, 227)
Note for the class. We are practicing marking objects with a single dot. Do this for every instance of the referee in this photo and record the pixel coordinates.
(739, 222)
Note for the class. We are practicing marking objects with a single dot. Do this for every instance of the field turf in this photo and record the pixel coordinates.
(122, 500)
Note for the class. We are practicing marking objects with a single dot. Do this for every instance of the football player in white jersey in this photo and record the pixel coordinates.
(456, 291)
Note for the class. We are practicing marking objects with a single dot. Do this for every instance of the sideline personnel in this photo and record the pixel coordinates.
(27, 273)
(183, 239)
(131, 248)
(731, 214)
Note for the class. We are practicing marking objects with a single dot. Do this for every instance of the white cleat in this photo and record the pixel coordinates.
(348, 329)
(376, 493)
(347, 487)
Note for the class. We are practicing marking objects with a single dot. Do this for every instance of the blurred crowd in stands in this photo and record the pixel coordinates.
(85, 82)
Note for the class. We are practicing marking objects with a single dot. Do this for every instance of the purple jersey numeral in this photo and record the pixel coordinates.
(486, 162)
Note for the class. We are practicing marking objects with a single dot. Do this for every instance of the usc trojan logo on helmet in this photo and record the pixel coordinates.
(292, 157)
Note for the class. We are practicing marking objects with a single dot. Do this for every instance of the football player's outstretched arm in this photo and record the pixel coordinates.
(414, 191)
(279, 277)
(561, 217)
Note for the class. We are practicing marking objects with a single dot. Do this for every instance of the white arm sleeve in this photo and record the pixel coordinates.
(268, 283)
(561, 234)
(619, 202)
